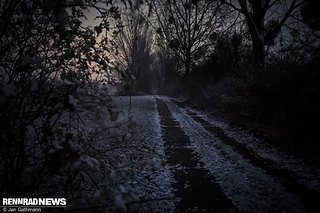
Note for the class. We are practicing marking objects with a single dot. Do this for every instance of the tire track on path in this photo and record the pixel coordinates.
(195, 189)
(309, 197)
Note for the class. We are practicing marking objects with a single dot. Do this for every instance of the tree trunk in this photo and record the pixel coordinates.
(255, 21)
(258, 51)
(187, 65)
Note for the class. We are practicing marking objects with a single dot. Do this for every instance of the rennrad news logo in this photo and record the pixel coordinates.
(34, 201)
(31, 204)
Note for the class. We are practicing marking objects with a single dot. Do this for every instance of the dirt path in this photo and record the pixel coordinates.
(249, 174)
(310, 197)
(195, 189)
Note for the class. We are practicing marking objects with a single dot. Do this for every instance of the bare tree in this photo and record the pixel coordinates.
(134, 50)
(257, 14)
(186, 26)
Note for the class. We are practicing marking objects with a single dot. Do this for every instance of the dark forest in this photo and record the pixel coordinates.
(160, 106)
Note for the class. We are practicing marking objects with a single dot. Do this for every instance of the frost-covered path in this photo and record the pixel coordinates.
(208, 165)
(195, 188)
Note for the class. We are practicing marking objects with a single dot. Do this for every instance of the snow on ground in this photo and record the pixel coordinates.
(307, 175)
(122, 160)
(249, 187)
(151, 181)
(119, 155)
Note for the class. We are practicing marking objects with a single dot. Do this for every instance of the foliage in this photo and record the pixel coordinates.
(46, 55)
